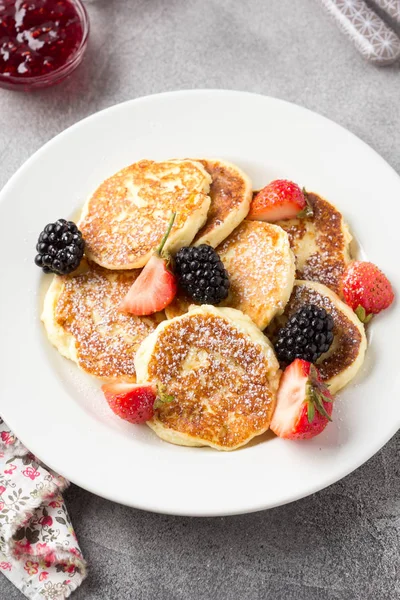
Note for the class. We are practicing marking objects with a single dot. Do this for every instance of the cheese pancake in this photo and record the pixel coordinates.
(125, 219)
(321, 243)
(221, 372)
(231, 194)
(340, 364)
(83, 321)
(260, 266)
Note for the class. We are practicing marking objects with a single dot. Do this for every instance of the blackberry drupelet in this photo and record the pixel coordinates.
(202, 274)
(307, 335)
(60, 248)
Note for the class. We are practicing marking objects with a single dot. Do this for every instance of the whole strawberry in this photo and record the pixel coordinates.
(280, 199)
(304, 403)
(366, 289)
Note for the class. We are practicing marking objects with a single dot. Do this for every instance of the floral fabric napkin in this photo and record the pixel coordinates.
(39, 552)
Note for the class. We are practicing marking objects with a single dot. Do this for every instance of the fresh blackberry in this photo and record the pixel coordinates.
(307, 335)
(60, 248)
(202, 274)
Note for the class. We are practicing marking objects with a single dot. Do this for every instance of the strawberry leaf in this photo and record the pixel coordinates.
(315, 394)
(310, 411)
(362, 315)
(319, 405)
(307, 211)
(321, 389)
(162, 397)
(167, 398)
(166, 235)
(360, 312)
(320, 408)
(326, 398)
(159, 402)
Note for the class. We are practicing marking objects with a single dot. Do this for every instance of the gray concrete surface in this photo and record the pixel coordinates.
(343, 543)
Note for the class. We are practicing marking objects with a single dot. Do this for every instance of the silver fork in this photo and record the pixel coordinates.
(372, 37)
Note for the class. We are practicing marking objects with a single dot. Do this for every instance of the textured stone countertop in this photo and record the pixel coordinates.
(342, 543)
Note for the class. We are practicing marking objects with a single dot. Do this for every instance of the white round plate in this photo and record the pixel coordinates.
(60, 414)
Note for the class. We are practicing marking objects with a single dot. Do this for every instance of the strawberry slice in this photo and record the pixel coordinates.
(133, 402)
(156, 285)
(152, 291)
(366, 289)
(280, 199)
(304, 403)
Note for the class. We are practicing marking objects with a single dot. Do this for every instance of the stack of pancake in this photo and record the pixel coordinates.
(217, 362)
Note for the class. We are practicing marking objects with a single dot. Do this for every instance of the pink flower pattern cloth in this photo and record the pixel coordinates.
(39, 552)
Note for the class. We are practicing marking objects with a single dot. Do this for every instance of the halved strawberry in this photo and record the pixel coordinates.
(366, 289)
(156, 285)
(133, 402)
(304, 403)
(280, 199)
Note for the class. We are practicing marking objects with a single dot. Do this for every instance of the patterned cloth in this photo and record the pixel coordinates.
(368, 32)
(392, 7)
(39, 552)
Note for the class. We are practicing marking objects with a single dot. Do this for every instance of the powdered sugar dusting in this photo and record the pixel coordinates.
(260, 267)
(106, 339)
(320, 244)
(129, 212)
(222, 382)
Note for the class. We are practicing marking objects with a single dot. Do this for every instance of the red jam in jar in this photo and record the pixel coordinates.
(37, 36)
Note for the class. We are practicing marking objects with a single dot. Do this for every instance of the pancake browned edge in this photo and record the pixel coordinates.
(221, 372)
(83, 321)
(231, 194)
(340, 364)
(260, 265)
(127, 216)
(321, 243)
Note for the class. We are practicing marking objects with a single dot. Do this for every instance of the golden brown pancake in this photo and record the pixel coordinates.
(320, 243)
(260, 266)
(127, 216)
(221, 372)
(231, 194)
(340, 364)
(83, 321)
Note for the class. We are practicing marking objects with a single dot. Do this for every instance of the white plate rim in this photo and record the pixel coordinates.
(157, 507)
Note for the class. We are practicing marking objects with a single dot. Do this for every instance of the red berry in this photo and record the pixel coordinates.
(132, 402)
(155, 287)
(152, 291)
(304, 403)
(366, 289)
(280, 199)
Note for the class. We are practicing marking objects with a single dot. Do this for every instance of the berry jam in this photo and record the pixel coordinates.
(37, 36)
